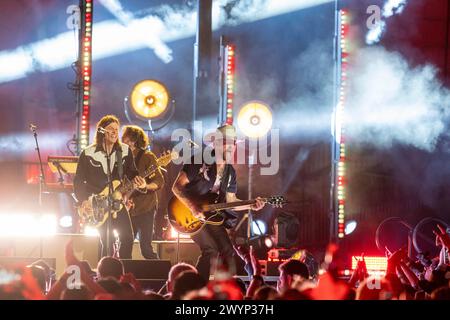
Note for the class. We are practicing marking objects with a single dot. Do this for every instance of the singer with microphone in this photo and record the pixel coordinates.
(33, 127)
(108, 158)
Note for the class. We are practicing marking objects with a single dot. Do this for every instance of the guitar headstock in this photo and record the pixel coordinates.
(276, 201)
(166, 158)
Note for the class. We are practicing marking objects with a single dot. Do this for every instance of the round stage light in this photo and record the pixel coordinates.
(255, 119)
(268, 242)
(149, 99)
(259, 227)
(350, 226)
(66, 221)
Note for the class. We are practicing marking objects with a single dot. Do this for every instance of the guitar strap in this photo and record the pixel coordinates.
(119, 162)
(224, 183)
(230, 219)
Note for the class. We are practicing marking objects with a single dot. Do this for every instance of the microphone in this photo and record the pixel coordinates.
(101, 130)
(32, 127)
(193, 144)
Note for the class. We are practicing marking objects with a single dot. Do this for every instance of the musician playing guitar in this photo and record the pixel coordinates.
(108, 155)
(199, 179)
(144, 205)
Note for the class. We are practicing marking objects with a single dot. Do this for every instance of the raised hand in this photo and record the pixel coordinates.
(442, 236)
(70, 257)
(255, 263)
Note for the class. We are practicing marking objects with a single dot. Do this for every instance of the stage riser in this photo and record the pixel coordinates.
(167, 250)
(53, 247)
(86, 248)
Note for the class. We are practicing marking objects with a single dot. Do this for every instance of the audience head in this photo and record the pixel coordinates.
(290, 271)
(176, 270)
(265, 293)
(110, 267)
(186, 282)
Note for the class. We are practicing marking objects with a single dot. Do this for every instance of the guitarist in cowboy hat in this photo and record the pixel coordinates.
(197, 179)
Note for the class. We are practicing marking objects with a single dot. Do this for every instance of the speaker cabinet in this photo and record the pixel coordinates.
(151, 274)
(148, 269)
(188, 251)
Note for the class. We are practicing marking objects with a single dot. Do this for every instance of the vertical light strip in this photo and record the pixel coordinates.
(230, 58)
(86, 71)
(342, 85)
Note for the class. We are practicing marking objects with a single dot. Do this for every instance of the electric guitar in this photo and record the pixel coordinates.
(94, 211)
(183, 221)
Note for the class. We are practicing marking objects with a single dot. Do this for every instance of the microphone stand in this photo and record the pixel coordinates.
(110, 203)
(41, 182)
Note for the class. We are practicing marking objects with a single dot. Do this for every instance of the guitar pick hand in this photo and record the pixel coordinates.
(140, 182)
(197, 212)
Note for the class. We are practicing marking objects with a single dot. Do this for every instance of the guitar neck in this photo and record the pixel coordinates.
(148, 172)
(229, 205)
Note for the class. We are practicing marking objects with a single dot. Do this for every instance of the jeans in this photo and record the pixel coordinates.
(122, 225)
(214, 243)
(143, 225)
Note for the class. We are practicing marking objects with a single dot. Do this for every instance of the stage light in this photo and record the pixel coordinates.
(340, 189)
(66, 221)
(287, 229)
(230, 82)
(27, 225)
(259, 227)
(268, 242)
(113, 38)
(85, 53)
(149, 99)
(350, 226)
(375, 265)
(91, 231)
(174, 234)
(255, 119)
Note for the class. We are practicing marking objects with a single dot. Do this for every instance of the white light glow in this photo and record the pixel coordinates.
(66, 221)
(27, 224)
(259, 227)
(91, 232)
(15, 64)
(268, 242)
(114, 37)
(350, 226)
(16, 143)
(255, 119)
(174, 234)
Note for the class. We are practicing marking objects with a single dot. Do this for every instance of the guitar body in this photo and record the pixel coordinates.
(182, 219)
(94, 210)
